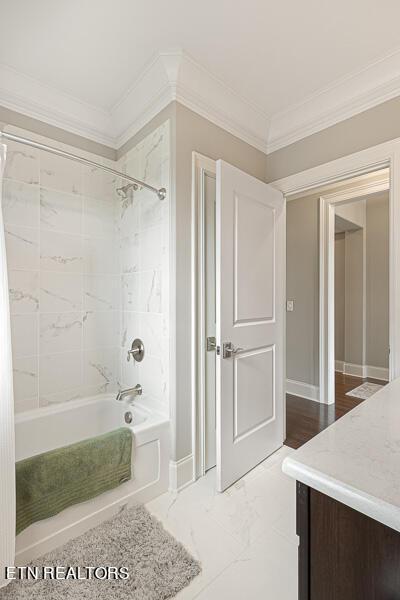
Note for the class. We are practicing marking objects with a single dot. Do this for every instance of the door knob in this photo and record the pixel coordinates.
(229, 350)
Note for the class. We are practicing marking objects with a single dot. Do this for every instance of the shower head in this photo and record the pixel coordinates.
(123, 191)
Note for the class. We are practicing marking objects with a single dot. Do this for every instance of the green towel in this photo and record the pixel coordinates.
(49, 482)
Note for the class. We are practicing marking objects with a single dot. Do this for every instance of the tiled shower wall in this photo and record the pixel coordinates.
(143, 231)
(74, 255)
(63, 277)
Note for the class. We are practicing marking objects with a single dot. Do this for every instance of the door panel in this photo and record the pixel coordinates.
(250, 287)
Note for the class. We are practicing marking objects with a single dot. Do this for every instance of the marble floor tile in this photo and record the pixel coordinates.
(245, 537)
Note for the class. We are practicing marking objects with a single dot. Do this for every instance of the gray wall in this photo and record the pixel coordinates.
(377, 288)
(369, 128)
(194, 133)
(354, 297)
(340, 288)
(302, 285)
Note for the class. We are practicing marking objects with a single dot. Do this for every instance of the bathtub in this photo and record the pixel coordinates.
(55, 426)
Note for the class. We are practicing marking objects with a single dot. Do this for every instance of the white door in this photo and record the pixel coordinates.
(250, 289)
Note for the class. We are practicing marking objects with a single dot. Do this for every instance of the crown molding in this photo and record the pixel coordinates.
(35, 99)
(345, 98)
(174, 75)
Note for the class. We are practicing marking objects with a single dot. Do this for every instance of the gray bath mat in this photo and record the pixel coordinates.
(159, 566)
(365, 390)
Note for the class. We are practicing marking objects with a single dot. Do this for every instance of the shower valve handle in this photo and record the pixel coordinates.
(137, 350)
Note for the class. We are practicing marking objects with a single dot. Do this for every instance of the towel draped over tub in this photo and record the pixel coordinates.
(50, 482)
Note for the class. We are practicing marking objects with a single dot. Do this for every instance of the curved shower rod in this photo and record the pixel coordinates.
(161, 192)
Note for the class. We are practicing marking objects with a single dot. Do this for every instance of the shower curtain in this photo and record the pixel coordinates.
(7, 442)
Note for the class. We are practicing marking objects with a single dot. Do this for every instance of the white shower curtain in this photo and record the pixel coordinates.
(7, 442)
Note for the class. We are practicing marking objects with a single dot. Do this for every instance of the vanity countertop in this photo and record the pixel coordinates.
(357, 459)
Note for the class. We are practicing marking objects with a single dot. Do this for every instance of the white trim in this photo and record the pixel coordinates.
(167, 77)
(304, 390)
(348, 96)
(181, 473)
(383, 155)
(377, 372)
(363, 371)
(339, 366)
(35, 99)
(200, 165)
(177, 76)
(355, 370)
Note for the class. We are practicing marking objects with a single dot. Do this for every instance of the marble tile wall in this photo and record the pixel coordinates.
(88, 272)
(64, 277)
(143, 230)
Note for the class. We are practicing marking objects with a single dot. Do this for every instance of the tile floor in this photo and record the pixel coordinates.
(245, 538)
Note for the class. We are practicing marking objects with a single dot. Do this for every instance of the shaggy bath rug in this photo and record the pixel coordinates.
(159, 566)
(365, 390)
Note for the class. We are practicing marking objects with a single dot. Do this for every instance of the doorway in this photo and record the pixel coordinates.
(338, 240)
(238, 320)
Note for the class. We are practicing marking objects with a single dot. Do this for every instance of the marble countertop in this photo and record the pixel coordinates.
(357, 459)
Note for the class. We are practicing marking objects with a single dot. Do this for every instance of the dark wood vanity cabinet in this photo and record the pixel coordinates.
(343, 554)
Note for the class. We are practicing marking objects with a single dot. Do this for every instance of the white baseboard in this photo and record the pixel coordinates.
(181, 473)
(362, 371)
(339, 366)
(305, 390)
(377, 373)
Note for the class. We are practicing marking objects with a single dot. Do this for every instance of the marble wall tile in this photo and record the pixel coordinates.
(24, 335)
(24, 291)
(154, 335)
(128, 213)
(64, 396)
(100, 184)
(130, 371)
(130, 251)
(60, 332)
(150, 291)
(22, 247)
(152, 248)
(131, 291)
(60, 372)
(25, 372)
(22, 163)
(101, 369)
(20, 203)
(99, 217)
(101, 256)
(151, 210)
(153, 378)
(60, 211)
(58, 173)
(131, 328)
(61, 252)
(101, 329)
(60, 292)
(102, 292)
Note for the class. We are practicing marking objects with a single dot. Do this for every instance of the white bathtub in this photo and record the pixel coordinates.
(56, 426)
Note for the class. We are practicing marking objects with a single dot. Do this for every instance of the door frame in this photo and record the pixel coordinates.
(200, 166)
(386, 155)
(327, 203)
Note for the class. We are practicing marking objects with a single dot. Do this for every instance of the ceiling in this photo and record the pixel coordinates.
(285, 60)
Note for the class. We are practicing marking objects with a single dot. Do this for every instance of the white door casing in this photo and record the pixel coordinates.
(250, 292)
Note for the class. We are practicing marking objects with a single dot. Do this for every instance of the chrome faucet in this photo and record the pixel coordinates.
(130, 392)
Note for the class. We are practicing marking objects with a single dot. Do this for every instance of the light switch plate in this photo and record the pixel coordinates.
(289, 305)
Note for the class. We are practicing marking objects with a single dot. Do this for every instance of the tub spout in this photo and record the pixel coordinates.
(130, 393)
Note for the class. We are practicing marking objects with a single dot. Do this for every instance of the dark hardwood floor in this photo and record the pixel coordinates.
(306, 418)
